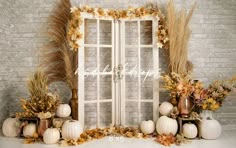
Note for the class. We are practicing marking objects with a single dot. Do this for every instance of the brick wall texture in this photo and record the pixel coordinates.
(212, 48)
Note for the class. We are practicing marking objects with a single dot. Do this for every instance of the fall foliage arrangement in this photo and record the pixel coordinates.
(210, 98)
(42, 103)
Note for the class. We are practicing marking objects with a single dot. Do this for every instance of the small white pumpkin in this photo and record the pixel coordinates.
(166, 125)
(165, 108)
(210, 129)
(190, 130)
(147, 127)
(71, 129)
(63, 110)
(51, 136)
(29, 130)
(9, 127)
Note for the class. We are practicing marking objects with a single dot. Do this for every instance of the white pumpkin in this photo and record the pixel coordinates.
(63, 110)
(166, 125)
(165, 108)
(147, 127)
(71, 129)
(210, 129)
(51, 136)
(190, 130)
(29, 130)
(9, 127)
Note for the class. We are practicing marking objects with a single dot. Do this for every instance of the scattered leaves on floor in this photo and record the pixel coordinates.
(31, 140)
(88, 135)
(166, 140)
(180, 139)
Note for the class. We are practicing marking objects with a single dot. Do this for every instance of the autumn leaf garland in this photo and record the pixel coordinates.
(74, 35)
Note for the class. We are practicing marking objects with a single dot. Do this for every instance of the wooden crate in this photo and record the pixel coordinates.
(28, 120)
(181, 122)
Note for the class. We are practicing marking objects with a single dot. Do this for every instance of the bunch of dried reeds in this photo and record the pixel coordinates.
(179, 34)
(58, 61)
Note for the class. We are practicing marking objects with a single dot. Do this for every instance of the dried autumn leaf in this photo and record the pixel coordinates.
(83, 135)
(35, 135)
(81, 140)
(180, 139)
(139, 135)
(29, 141)
(166, 140)
(72, 142)
(129, 134)
(63, 143)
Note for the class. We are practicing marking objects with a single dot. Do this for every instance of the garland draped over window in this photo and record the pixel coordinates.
(74, 35)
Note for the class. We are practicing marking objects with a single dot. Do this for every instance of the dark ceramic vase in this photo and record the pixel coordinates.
(74, 104)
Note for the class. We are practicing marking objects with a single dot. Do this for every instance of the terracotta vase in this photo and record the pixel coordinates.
(74, 104)
(184, 106)
(43, 125)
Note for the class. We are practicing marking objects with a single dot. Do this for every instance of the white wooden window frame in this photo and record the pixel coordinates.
(155, 99)
(82, 72)
(118, 53)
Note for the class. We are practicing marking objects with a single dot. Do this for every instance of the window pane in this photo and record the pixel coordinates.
(90, 59)
(131, 87)
(131, 113)
(131, 33)
(105, 60)
(90, 115)
(146, 87)
(146, 32)
(131, 60)
(105, 114)
(90, 30)
(105, 33)
(105, 87)
(90, 88)
(146, 56)
(146, 111)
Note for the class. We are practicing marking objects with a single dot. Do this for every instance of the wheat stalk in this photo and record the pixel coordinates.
(37, 85)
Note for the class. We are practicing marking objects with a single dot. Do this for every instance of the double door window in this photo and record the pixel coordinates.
(118, 71)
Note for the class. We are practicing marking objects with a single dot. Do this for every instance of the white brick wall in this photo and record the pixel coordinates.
(22, 26)
(4, 93)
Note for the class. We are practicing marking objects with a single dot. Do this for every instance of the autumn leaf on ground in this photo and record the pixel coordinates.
(166, 140)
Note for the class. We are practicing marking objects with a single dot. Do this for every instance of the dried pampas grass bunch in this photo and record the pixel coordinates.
(58, 60)
(179, 34)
